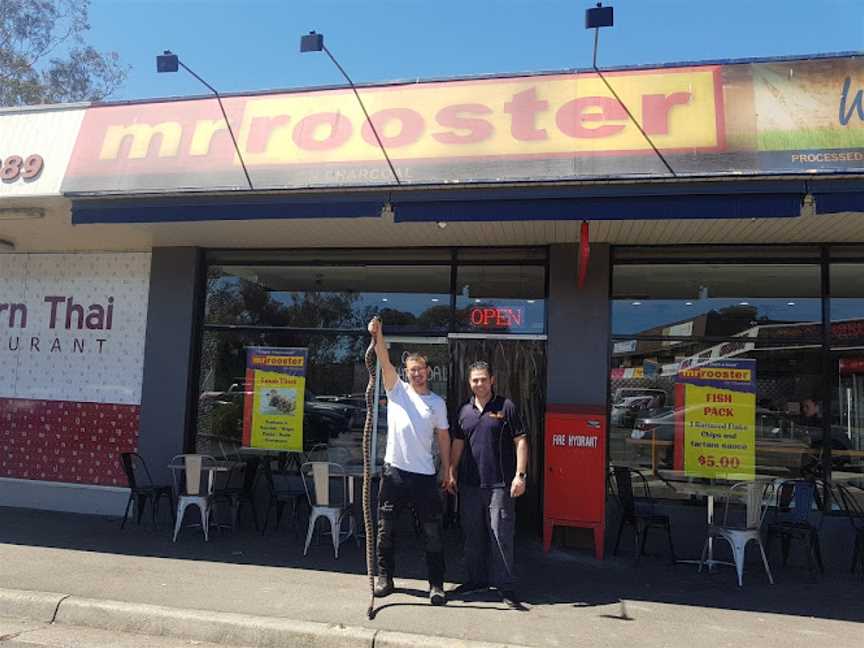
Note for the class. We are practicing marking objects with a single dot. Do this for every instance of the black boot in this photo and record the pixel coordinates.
(383, 586)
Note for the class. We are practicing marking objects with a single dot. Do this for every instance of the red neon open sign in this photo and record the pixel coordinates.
(497, 317)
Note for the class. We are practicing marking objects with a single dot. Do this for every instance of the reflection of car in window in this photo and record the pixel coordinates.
(627, 403)
(773, 428)
(323, 418)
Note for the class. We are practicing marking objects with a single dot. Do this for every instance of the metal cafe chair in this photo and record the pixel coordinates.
(334, 507)
(797, 515)
(187, 470)
(854, 511)
(638, 511)
(142, 489)
(756, 501)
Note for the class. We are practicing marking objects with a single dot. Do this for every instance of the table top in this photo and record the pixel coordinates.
(221, 465)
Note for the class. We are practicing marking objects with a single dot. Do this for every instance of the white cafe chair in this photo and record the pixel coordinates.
(187, 471)
(318, 478)
(756, 502)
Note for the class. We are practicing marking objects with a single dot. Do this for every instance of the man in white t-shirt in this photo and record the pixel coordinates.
(416, 418)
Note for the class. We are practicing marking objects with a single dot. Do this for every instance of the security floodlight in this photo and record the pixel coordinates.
(167, 62)
(598, 16)
(170, 62)
(314, 42)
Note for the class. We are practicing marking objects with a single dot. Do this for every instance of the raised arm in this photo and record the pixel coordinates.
(388, 371)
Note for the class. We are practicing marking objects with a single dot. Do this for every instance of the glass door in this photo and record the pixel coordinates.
(435, 350)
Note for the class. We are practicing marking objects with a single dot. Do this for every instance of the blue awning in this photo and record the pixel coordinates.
(674, 200)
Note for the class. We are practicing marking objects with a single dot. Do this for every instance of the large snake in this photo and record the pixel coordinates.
(367, 472)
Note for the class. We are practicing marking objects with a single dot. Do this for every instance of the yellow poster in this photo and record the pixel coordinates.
(716, 428)
(273, 407)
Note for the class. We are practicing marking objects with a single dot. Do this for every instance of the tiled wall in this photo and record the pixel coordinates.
(66, 441)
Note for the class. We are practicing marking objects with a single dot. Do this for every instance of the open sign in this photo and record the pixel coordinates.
(496, 317)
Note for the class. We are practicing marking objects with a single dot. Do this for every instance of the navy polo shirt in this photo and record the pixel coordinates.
(489, 458)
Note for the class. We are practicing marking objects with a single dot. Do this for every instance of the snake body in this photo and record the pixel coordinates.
(367, 474)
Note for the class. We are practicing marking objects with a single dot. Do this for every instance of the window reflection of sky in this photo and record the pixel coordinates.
(630, 316)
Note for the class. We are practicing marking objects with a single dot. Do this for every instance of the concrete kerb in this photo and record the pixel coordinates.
(214, 627)
(30, 606)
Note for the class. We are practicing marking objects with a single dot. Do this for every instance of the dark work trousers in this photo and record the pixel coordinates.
(488, 523)
(400, 488)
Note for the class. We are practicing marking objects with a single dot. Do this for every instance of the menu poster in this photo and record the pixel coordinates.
(273, 402)
(715, 429)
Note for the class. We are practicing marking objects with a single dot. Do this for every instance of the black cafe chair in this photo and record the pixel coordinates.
(142, 489)
(797, 516)
(854, 511)
(638, 511)
(289, 490)
(237, 496)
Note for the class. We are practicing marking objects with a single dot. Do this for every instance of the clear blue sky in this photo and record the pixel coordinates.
(240, 45)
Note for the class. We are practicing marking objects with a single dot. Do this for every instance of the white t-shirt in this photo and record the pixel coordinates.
(411, 422)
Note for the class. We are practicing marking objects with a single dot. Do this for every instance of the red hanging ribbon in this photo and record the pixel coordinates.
(584, 253)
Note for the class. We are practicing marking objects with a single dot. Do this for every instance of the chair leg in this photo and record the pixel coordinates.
(672, 557)
(765, 561)
(131, 497)
(644, 540)
(618, 537)
(738, 552)
(235, 511)
(817, 550)
(178, 522)
(154, 511)
(140, 505)
(280, 508)
(704, 556)
(335, 530)
(205, 520)
(254, 513)
(312, 520)
(267, 515)
(785, 542)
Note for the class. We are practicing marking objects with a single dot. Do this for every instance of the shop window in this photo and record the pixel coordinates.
(732, 409)
(334, 401)
(847, 304)
(717, 300)
(500, 299)
(408, 298)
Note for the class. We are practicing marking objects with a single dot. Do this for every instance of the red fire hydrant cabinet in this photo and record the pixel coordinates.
(574, 491)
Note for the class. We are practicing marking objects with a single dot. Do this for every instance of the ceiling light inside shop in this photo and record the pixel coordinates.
(435, 299)
(384, 299)
(790, 303)
(529, 301)
(743, 303)
(688, 303)
(636, 303)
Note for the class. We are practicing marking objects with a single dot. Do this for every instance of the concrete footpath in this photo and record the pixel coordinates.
(248, 589)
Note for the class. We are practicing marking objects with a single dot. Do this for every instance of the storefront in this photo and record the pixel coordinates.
(529, 223)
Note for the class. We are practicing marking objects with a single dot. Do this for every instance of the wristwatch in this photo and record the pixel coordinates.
(522, 475)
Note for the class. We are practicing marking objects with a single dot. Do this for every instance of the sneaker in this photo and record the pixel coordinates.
(436, 595)
(468, 588)
(509, 598)
(383, 586)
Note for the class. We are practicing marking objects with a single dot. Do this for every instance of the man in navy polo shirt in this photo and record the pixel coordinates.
(490, 475)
